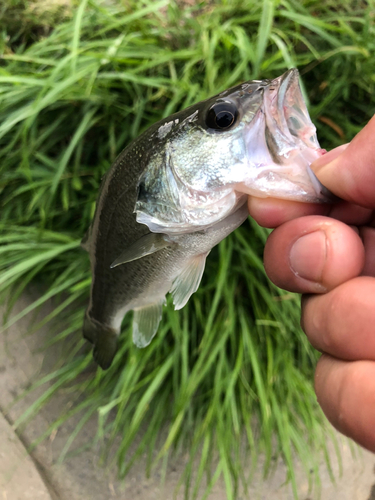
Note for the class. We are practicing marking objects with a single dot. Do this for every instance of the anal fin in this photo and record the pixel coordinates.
(187, 282)
(145, 323)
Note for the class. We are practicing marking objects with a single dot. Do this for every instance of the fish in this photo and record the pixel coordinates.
(179, 189)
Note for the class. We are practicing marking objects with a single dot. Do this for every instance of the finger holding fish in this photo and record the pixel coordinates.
(272, 212)
(338, 320)
(340, 323)
(351, 175)
(357, 165)
(313, 254)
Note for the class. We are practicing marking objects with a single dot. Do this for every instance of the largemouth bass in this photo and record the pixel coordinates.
(180, 188)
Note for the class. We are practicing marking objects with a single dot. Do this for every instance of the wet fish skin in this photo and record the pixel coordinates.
(178, 190)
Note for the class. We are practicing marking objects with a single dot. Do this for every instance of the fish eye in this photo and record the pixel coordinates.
(222, 115)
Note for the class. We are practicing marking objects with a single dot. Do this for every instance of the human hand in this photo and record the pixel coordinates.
(330, 258)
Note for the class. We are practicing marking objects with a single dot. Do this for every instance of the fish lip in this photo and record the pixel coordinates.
(291, 77)
(288, 77)
(285, 81)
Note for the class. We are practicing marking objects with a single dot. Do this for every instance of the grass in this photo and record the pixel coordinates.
(230, 375)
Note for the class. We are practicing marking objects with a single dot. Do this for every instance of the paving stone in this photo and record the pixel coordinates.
(19, 477)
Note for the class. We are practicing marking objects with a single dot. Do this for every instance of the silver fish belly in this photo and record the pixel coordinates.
(179, 189)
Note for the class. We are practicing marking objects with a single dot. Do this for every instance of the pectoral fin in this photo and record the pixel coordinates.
(145, 323)
(146, 245)
(187, 282)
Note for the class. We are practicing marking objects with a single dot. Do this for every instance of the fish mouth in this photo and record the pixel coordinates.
(292, 112)
(292, 145)
(288, 120)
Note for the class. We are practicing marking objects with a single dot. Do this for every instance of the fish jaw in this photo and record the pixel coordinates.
(282, 146)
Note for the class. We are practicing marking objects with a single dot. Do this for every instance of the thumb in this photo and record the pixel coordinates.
(351, 174)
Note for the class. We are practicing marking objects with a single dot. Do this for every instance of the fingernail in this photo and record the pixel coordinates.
(308, 256)
(328, 157)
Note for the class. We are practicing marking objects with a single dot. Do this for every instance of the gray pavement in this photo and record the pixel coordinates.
(39, 476)
(19, 476)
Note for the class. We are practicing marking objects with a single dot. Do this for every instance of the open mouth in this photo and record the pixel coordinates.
(290, 120)
(292, 145)
(291, 102)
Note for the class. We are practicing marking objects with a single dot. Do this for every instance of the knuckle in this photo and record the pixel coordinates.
(331, 325)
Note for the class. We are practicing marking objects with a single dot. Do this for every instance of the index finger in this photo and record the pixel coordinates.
(271, 212)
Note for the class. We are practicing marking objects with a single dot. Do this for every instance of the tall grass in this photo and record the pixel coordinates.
(229, 375)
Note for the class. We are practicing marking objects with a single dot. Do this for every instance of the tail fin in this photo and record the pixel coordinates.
(104, 339)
